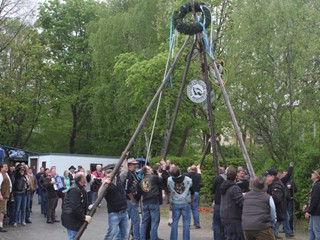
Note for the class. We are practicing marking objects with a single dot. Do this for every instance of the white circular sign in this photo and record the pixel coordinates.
(197, 91)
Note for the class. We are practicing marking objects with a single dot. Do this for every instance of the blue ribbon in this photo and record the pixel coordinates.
(171, 34)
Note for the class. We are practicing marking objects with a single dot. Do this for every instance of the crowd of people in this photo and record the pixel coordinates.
(243, 207)
(136, 187)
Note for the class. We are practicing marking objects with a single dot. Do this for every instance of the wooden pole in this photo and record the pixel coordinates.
(204, 70)
(205, 76)
(233, 118)
(133, 138)
(178, 102)
(204, 153)
(222, 154)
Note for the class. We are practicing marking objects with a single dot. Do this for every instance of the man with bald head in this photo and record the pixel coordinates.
(74, 208)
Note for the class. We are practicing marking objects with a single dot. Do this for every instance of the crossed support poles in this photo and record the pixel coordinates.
(198, 39)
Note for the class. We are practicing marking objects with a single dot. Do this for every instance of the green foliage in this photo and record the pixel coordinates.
(63, 30)
(22, 88)
(267, 53)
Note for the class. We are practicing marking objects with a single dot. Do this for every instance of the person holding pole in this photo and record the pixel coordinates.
(74, 208)
(133, 197)
(118, 220)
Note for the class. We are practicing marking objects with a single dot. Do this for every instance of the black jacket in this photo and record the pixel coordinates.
(49, 187)
(74, 208)
(215, 189)
(278, 192)
(19, 185)
(196, 180)
(150, 188)
(314, 206)
(231, 202)
(116, 197)
(131, 185)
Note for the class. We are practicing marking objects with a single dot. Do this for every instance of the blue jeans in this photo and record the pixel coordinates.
(94, 196)
(39, 193)
(314, 228)
(178, 210)
(89, 197)
(286, 227)
(28, 198)
(20, 206)
(195, 209)
(217, 227)
(71, 234)
(234, 231)
(150, 210)
(44, 203)
(133, 213)
(118, 226)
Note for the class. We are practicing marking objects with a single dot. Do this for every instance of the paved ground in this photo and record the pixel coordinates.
(39, 229)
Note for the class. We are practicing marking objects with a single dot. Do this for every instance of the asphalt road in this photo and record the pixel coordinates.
(40, 230)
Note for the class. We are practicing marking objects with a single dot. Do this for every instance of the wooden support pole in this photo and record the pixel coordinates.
(205, 76)
(133, 138)
(178, 102)
(222, 154)
(204, 153)
(233, 118)
(204, 70)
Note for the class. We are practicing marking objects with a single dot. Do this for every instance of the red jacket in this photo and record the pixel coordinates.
(95, 173)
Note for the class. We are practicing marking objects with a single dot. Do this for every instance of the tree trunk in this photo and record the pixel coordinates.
(183, 141)
(72, 141)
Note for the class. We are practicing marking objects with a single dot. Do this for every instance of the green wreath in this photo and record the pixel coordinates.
(193, 27)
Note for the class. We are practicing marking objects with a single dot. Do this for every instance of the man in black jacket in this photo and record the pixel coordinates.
(150, 187)
(131, 188)
(313, 208)
(195, 174)
(278, 192)
(118, 219)
(231, 206)
(217, 227)
(74, 209)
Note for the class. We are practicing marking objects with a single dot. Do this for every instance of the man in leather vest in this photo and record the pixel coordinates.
(5, 190)
(259, 212)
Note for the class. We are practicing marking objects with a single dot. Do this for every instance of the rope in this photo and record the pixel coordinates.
(171, 44)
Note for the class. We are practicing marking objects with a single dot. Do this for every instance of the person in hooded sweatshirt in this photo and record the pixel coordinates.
(181, 195)
(231, 206)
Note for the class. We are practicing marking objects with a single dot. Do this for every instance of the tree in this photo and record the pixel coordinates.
(22, 88)
(270, 47)
(14, 15)
(63, 29)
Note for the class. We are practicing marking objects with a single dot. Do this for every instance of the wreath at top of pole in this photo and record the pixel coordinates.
(191, 28)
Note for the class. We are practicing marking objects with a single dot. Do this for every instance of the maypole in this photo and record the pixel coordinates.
(132, 140)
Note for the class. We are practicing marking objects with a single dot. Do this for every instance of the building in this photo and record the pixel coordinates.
(63, 161)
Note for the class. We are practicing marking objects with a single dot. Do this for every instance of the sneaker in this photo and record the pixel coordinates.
(23, 224)
(3, 230)
(56, 221)
(197, 227)
(28, 221)
(15, 225)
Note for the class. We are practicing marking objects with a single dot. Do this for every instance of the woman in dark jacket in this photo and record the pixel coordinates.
(19, 189)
